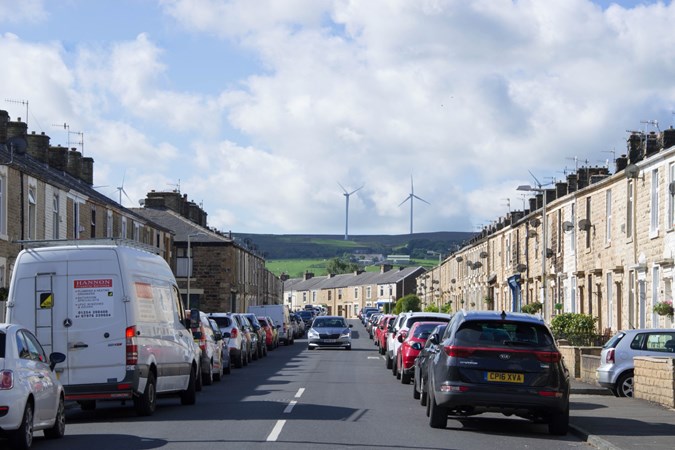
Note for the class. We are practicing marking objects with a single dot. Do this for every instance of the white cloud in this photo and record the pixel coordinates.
(13, 11)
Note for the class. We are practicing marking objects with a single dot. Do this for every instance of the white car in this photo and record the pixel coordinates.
(31, 396)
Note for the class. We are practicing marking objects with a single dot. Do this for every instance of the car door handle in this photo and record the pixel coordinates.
(80, 345)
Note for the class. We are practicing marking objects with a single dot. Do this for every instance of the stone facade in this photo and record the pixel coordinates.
(607, 242)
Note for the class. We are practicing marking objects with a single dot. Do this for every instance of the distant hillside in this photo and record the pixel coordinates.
(295, 246)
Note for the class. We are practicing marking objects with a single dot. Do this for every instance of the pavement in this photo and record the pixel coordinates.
(610, 423)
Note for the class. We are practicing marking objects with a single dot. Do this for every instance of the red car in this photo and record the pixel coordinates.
(381, 332)
(410, 347)
(271, 336)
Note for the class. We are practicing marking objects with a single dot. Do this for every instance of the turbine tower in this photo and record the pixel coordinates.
(347, 194)
(411, 197)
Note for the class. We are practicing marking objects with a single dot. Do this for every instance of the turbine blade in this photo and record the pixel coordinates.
(343, 188)
(356, 190)
(420, 198)
(406, 199)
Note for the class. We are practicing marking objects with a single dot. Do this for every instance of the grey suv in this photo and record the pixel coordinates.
(498, 362)
(616, 358)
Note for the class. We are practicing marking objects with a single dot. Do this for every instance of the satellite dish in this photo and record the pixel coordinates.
(521, 267)
(477, 264)
(483, 254)
(632, 171)
(535, 223)
(671, 188)
(17, 144)
(568, 226)
(584, 224)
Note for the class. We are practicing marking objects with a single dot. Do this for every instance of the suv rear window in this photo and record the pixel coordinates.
(487, 333)
(614, 341)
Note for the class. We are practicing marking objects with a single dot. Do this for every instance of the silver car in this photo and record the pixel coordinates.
(329, 331)
(616, 358)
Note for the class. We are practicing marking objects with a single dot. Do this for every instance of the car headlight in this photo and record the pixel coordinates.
(346, 333)
(312, 334)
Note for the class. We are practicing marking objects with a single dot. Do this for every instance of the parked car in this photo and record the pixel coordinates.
(271, 334)
(393, 342)
(299, 325)
(250, 335)
(370, 324)
(307, 316)
(261, 337)
(238, 345)
(26, 373)
(410, 347)
(281, 316)
(616, 358)
(431, 347)
(210, 342)
(329, 331)
(363, 313)
(381, 332)
(499, 362)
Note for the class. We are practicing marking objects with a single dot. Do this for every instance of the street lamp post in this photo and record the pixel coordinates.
(189, 255)
(544, 293)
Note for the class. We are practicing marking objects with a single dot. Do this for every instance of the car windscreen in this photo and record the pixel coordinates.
(502, 333)
(223, 322)
(329, 323)
(305, 314)
(423, 330)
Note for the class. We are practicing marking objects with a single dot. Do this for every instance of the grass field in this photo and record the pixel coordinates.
(295, 268)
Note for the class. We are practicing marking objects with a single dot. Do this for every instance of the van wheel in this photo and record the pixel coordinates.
(87, 405)
(22, 437)
(59, 428)
(189, 395)
(239, 362)
(146, 403)
(207, 378)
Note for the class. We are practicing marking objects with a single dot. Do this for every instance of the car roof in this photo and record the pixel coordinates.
(503, 315)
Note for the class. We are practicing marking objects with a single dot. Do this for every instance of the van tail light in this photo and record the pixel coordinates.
(6, 379)
(548, 357)
(458, 352)
(610, 356)
(132, 347)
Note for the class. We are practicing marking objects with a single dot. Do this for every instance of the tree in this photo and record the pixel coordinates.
(410, 302)
(341, 265)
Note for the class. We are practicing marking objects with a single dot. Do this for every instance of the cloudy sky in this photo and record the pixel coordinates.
(261, 110)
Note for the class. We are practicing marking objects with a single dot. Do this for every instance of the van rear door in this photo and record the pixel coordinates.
(95, 322)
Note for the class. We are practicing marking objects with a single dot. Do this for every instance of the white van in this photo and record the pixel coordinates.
(281, 317)
(115, 312)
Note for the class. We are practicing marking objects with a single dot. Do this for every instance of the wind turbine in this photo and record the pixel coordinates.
(411, 197)
(121, 190)
(347, 194)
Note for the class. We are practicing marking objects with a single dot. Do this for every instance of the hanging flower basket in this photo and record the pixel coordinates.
(664, 308)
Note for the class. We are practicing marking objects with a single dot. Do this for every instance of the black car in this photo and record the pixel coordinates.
(422, 363)
(260, 332)
(498, 362)
(307, 316)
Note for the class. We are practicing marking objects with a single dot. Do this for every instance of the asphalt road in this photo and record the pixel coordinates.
(299, 399)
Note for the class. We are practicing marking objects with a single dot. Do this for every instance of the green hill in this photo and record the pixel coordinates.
(296, 246)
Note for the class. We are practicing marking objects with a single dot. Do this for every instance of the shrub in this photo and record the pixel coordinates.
(578, 329)
(410, 302)
(531, 308)
(431, 308)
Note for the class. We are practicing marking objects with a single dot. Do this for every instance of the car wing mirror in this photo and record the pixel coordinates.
(351, 325)
(433, 339)
(226, 334)
(56, 358)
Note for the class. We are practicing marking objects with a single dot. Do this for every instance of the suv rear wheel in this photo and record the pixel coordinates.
(438, 416)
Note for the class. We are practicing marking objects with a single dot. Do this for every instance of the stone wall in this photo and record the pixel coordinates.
(655, 380)
(589, 363)
(573, 359)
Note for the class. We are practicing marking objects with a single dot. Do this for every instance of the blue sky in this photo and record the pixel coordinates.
(259, 110)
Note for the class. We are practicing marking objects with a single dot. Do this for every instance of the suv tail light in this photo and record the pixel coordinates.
(132, 348)
(610, 356)
(6, 379)
(234, 333)
(458, 352)
(548, 357)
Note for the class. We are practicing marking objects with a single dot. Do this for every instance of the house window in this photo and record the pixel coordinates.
(330, 295)
(304, 297)
(56, 219)
(573, 232)
(629, 208)
(313, 296)
(356, 293)
(76, 219)
(656, 286)
(109, 224)
(92, 231)
(610, 301)
(32, 212)
(608, 218)
(671, 196)
(123, 233)
(3, 204)
(381, 291)
(560, 232)
(654, 213)
(368, 292)
(588, 217)
(339, 294)
(137, 231)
